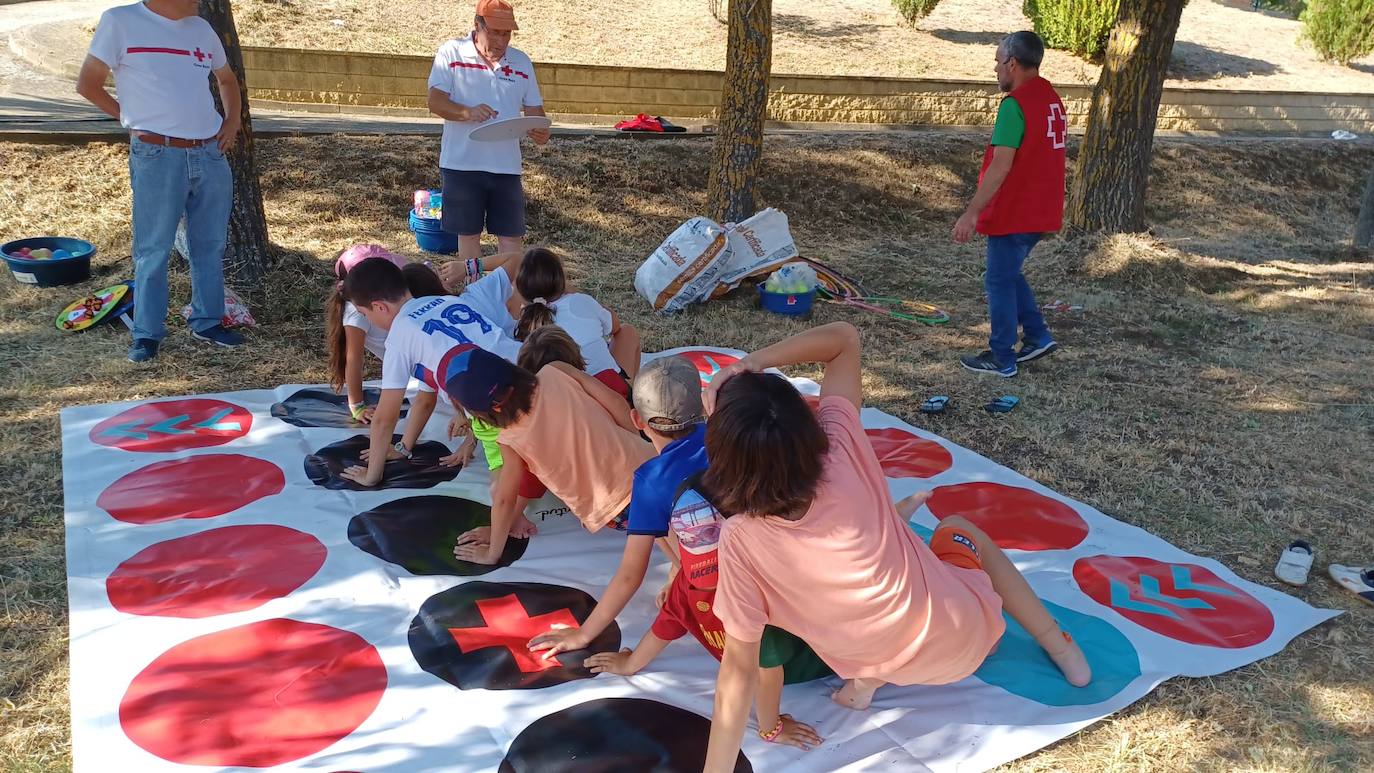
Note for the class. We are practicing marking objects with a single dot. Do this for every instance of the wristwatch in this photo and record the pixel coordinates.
(401, 449)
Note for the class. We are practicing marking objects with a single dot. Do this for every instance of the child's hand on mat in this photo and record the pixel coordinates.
(611, 663)
(478, 536)
(560, 639)
(391, 454)
(798, 734)
(461, 456)
(906, 507)
(358, 474)
(708, 398)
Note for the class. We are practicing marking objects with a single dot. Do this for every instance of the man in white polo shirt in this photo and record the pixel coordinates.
(162, 55)
(474, 79)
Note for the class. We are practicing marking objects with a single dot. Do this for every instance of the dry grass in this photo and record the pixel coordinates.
(1217, 391)
(1221, 43)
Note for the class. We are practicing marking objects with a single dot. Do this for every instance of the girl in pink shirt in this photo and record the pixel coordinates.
(816, 547)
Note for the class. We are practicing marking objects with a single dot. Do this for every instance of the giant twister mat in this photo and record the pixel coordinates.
(236, 605)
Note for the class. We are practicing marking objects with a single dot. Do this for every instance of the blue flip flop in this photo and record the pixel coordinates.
(1003, 404)
(935, 404)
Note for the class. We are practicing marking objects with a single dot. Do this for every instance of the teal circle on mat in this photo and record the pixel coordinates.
(1022, 668)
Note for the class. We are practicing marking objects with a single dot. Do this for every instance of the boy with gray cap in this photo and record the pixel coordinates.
(665, 505)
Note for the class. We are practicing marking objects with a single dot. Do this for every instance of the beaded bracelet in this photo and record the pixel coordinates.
(473, 266)
(772, 735)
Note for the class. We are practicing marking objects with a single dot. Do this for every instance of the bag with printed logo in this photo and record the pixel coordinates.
(686, 267)
(757, 246)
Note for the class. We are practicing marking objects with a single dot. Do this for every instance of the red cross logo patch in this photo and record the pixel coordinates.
(474, 636)
(199, 55)
(1057, 126)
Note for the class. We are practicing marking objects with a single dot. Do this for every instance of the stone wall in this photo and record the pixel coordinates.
(336, 81)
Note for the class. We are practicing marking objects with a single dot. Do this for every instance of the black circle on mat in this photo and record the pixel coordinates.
(418, 534)
(324, 408)
(422, 470)
(474, 636)
(614, 735)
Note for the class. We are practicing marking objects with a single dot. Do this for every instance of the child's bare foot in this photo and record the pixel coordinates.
(856, 694)
(1066, 654)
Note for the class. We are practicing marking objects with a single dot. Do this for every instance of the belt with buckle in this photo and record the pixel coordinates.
(175, 142)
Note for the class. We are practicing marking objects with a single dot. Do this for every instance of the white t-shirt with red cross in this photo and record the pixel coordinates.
(161, 69)
(428, 328)
(508, 88)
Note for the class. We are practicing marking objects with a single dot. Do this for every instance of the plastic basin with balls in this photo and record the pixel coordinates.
(49, 272)
(431, 237)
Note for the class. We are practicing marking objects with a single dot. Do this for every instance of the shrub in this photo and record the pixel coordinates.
(915, 10)
(1340, 30)
(1079, 26)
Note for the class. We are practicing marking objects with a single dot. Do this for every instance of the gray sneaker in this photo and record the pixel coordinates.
(219, 336)
(1033, 351)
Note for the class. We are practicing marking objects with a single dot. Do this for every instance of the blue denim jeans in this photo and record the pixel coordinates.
(167, 183)
(1010, 300)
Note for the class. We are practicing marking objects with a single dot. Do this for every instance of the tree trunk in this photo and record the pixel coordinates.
(1364, 224)
(248, 253)
(1114, 158)
(732, 190)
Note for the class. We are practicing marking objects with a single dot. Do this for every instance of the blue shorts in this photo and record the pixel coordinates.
(478, 201)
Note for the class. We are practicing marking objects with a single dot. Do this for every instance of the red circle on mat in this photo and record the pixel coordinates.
(174, 425)
(1186, 602)
(1016, 518)
(197, 487)
(215, 572)
(254, 696)
(708, 363)
(905, 455)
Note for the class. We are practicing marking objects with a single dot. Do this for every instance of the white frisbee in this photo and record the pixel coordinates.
(508, 128)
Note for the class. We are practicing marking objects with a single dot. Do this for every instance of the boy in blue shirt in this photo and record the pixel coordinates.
(665, 506)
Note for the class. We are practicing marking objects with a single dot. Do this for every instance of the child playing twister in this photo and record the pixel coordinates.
(350, 335)
(816, 547)
(667, 397)
(421, 333)
(533, 288)
(569, 430)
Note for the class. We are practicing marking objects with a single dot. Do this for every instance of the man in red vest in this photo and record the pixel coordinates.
(1020, 198)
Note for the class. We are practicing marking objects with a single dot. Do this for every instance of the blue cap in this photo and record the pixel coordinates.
(474, 377)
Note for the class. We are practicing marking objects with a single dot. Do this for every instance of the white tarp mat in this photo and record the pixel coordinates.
(264, 637)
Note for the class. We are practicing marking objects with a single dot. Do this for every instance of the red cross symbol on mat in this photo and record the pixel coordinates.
(510, 626)
(199, 55)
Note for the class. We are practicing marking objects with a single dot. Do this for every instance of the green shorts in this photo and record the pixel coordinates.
(799, 663)
(486, 435)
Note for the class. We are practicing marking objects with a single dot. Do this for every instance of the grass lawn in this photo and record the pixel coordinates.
(1216, 391)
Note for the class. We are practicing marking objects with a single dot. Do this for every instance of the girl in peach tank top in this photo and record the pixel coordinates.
(879, 606)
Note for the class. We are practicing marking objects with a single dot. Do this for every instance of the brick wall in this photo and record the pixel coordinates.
(381, 83)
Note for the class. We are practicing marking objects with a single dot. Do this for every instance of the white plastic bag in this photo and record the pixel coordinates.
(757, 246)
(235, 311)
(686, 267)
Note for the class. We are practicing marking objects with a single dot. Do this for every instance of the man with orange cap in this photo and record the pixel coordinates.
(479, 78)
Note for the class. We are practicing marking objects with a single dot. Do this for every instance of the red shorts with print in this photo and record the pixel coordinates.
(955, 548)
